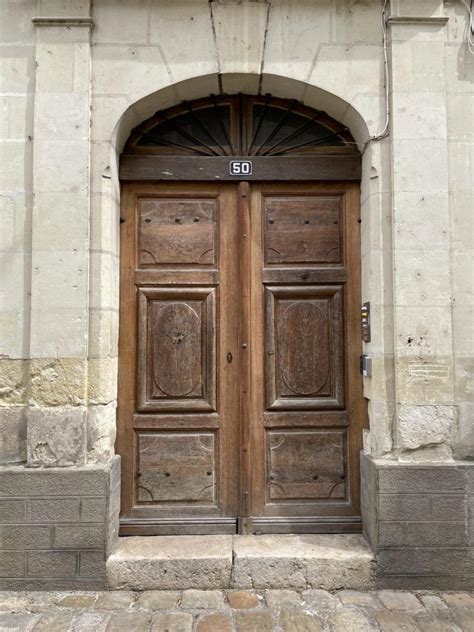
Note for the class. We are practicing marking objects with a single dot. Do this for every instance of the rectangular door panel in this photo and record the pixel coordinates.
(304, 347)
(306, 465)
(177, 232)
(177, 348)
(177, 468)
(302, 230)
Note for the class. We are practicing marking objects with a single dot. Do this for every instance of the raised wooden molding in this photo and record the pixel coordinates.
(418, 19)
(63, 21)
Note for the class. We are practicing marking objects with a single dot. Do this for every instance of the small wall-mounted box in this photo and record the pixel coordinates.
(366, 365)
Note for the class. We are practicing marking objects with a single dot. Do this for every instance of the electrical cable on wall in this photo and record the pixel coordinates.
(470, 25)
(385, 130)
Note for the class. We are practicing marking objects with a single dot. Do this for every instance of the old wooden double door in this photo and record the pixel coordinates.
(240, 403)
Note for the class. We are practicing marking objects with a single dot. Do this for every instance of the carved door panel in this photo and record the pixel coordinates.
(306, 410)
(178, 397)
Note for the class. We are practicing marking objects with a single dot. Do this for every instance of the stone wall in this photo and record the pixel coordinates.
(419, 520)
(77, 76)
(57, 526)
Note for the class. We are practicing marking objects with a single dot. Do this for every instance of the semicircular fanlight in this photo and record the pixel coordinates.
(240, 125)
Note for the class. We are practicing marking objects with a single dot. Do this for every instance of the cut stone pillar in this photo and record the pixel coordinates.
(60, 237)
(425, 415)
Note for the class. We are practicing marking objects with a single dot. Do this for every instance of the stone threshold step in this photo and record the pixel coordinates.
(329, 562)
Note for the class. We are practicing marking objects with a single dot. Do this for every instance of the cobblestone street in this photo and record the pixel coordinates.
(242, 611)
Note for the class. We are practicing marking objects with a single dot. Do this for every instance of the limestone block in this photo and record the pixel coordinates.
(457, 24)
(61, 166)
(14, 382)
(464, 376)
(462, 266)
(421, 220)
(295, 32)
(55, 66)
(425, 8)
(59, 332)
(463, 447)
(104, 280)
(102, 157)
(463, 334)
(61, 222)
(12, 435)
(234, 83)
(82, 66)
(460, 167)
(422, 380)
(121, 21)
(459, 70)
(17, 71)
(343, 70)
(15, 217)
(103, 333)
(366, 115)
(14, 325)
(66, 8)
(16, 117)
(17, 15)
(171, 563)
(420, 165)
(419, 115)
(106, 112)
(460, 108)
(191, 54)
(133, 70)
(59, 279)
(63, 116)
(316, 561)
(416, 282)
(12, 159)
(14, 284)
(102, 385)
(56, 436)
(105, 222)
(240, 35)
(419, 426)
(424, 332)
(356, 22)
(58, 382)
(381, 413)
(101, 432)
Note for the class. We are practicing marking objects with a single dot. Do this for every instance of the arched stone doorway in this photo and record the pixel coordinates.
(240, 399)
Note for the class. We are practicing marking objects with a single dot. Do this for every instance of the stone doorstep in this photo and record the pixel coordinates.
(329, 562)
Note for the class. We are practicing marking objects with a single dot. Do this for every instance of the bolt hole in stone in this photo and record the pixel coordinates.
(209, 473)
(177, 220)
(196, 219)
(271, 221)
(306, 221)
(315, 477)
(167, 474)
(148, 220)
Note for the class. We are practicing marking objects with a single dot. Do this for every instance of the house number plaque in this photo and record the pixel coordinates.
(240, 167)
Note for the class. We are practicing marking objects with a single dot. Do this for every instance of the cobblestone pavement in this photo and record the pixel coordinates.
(240, 611)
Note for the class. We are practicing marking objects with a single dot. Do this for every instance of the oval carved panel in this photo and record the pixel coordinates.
(303, 341)
(176, 349)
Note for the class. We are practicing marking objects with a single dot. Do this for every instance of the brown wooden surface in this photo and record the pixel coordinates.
(268, 168)
(307, 410)
(240, 399)
(178, 393)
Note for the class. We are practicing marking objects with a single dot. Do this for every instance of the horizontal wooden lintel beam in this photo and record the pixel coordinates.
(217, 168)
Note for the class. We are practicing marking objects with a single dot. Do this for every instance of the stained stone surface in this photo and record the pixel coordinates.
(215, 611)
